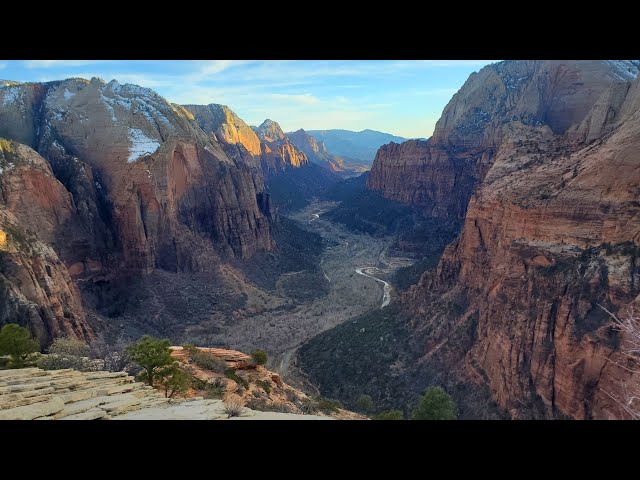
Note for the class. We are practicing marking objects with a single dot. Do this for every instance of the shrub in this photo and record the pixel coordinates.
(259, 404)
(66, 352)
(329, 406)
(115, 357)
(259, 357)
(18, 343)
(215, 389)
(389, 415)
(309, 406)
(173, 380)
(207, 361)
(365, 403)
(233, 408)
(265, 385)
(199, 383)
(435, 404)
(151, 354)
(231, 374)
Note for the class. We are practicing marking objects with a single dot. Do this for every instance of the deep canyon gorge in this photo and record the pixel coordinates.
(481, 259)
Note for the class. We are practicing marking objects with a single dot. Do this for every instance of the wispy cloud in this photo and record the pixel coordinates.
(305, 98)
(60, 63)
(3, 65)
(208, 69)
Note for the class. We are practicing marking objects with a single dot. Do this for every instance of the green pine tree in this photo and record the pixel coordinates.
(18, 343)
(435, 404)
(151, 354)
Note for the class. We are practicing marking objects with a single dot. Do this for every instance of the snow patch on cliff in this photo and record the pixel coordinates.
(141, 145)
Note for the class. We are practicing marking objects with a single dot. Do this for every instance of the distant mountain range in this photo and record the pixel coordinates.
(356, 145)
(317, 152)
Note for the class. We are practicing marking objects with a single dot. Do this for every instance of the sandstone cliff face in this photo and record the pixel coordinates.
(552, 231)
(417, 173)
(173, 197)
(35, 286)
(266, 147)
(127, 183)
(317, 153)
(229, 129)
(558, 94)
(278, 153)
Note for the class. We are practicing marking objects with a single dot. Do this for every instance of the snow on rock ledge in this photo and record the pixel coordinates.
(141, 145)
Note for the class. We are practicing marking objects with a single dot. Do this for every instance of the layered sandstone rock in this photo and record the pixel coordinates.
(266, 146)
(123, 182)
(264, 388)
(278, 152)
(441, 175)
(35, 285)
(174, 198)
(229, 129)
(551, 234)
(418, 173)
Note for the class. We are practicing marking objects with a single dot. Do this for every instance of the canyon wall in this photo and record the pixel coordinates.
(550, 235)
(138, 184)
(441, 175)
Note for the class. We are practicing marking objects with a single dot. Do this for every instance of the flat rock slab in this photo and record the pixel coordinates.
(208, 410)
(93, 414)
(29, 412)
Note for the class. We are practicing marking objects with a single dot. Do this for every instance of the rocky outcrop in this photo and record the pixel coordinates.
(551, 233)
(265, 146)
(558, 94)
(228, 129)
(317, 153)
(278, 153)
(35, 394)
(252, 385)
(35, 285)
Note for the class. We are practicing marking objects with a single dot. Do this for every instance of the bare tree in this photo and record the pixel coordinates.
(629, 326)
(114, 356)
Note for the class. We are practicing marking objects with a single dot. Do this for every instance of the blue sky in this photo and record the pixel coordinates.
(402, 97)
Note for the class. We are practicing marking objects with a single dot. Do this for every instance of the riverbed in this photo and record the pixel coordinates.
(357, 269)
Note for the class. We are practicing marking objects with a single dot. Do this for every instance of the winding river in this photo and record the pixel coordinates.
(386, 296)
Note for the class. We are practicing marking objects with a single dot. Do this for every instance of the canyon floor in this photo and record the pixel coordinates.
(325, 276)
(348, 293)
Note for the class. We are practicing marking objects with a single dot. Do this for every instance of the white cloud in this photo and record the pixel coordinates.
(59, 63)
(3, 65)
(305, 98)
(210, 68)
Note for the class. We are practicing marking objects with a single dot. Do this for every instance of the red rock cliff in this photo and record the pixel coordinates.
(441, 175)
(127, 183)
(174, 198)
(552, 231)
(35, 286)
